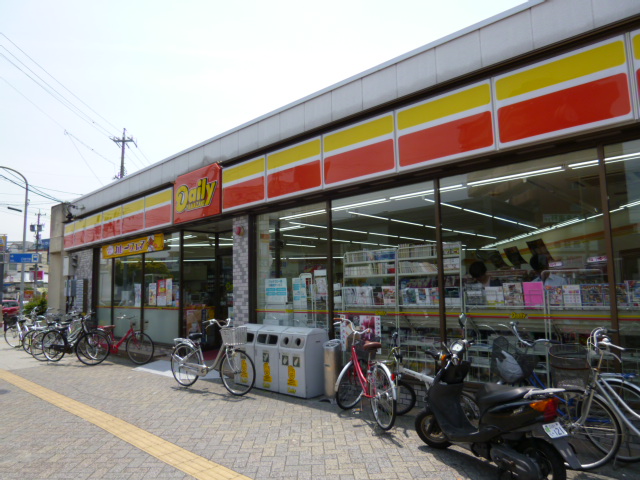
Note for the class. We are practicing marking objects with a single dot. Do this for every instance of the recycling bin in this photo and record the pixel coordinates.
(267, 356)
(301, 361)
(252, 335)
(332, 365)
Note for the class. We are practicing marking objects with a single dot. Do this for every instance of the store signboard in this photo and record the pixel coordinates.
(150, 243)
(197, 194)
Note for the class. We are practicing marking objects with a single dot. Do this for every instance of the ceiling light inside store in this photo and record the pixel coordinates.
(299, 245)
(408, 223)
(427, 192)
(305, 214)
(623, 158)
(367, 215)
(516, 176)
(361, 204)
(302, 236)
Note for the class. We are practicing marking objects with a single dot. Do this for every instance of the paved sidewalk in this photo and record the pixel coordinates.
(67, 420)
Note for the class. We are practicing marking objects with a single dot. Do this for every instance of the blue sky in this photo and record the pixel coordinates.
(176, 73)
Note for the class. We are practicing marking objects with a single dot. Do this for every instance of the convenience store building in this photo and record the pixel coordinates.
(517, 137)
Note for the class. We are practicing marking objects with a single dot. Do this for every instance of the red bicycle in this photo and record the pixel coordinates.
(365, 377)
(139, 346)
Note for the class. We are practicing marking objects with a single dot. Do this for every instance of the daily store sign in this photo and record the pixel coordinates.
(150, 243)
(197, 194)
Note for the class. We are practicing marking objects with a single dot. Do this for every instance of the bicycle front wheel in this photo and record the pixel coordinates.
(35, 348)
(383, 399)
(237, 372)
(12, 337)
(594, 434)
(406, 398)
(139, 348)
(349, 389)
(54, 346)
(27, 339)
(184, 353)
(629, 394)
(93, 348)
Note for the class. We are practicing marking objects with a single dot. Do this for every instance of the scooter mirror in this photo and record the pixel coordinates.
(462, 320)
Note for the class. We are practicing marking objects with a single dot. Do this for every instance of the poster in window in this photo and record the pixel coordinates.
(137, 290)
(299, 286)
(322, 289)
(161, 295)
(169, 291)
(276, 291)
(153, 291)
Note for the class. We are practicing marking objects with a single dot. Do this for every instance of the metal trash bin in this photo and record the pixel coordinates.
(267, 357)
(301, 361)
(332, 366)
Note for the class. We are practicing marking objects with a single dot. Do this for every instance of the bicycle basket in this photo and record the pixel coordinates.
(509, 363)
(234, 335)
(569, 366)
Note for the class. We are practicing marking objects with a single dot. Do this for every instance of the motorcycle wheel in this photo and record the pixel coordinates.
(429, 431)
(548, 458)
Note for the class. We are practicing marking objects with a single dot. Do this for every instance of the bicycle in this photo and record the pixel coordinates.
(91, 346)
(139, 346)
(595, 419)
(363, 376)
(16, 328)
(406, 394)
(235, 367)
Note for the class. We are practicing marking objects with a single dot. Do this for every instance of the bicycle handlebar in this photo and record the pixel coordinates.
(213, 321)
(350, 324)
(600, 339)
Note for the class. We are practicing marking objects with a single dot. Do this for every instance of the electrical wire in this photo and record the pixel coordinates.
(65, 101)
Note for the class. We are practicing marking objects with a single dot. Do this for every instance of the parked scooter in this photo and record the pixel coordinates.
(516, 428)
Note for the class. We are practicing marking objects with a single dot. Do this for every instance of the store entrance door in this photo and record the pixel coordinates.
(207, 282)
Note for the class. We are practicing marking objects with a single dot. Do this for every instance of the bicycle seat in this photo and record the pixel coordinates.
(195, 336)
(108, 328)
(371, 345)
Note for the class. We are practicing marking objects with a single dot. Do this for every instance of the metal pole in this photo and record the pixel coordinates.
(24, 231)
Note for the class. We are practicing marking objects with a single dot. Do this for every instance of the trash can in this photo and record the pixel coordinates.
(252, 334)
(301, 361)
(267, 357)
(332, 366)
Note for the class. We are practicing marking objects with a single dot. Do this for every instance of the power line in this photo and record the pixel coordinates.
(57, 81)
(65, 101)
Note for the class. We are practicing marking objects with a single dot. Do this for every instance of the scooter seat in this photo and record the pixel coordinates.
(491, 394)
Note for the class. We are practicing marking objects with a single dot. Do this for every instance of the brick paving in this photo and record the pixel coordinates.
(262, 435)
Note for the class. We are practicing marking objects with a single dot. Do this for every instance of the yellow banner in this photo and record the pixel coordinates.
(150, 243)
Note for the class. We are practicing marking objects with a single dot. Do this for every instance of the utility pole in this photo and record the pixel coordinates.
(124, 140)
(37, 229)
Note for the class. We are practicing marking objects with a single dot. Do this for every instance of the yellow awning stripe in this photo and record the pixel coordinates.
(133, 207)
(155, 199)
(445, 106)
(562, 70)
(359, 133)
(291, 155)
(247, 169)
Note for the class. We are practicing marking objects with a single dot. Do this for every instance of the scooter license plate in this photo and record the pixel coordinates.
(554, 430)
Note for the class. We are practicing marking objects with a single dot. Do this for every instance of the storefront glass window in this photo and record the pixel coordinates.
(161, 298)
(127, 295)
(622, 163)
(105, 289)
(292, 278)
(533, 250)
(385, 264)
